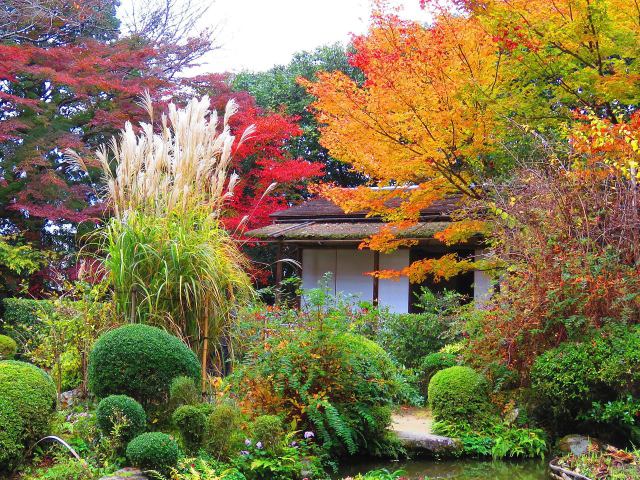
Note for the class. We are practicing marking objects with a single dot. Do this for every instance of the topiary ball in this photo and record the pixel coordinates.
(191, 421)
(139, 361)
(11, 427)
(8, 347)
(153, 451)
(113, 408)
(32, 393)
(458, 394)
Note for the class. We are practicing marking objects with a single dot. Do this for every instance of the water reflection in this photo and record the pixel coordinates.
(456, 469)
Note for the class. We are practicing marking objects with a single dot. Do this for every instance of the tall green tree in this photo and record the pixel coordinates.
(278, 89)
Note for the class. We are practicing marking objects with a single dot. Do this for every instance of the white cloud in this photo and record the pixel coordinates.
(257, 34)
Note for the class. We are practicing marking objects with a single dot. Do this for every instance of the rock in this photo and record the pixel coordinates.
(577, 444)
(429, 443)
(70, 398)
(511, 416)
(413, 428)
(128, 473)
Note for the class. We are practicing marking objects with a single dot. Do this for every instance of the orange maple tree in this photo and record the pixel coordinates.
(446, 108)
(424, 118)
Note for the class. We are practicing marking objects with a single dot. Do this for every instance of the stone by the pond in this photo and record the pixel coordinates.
(576, 444)
(70, 398)
(413, 428)
(128, 473)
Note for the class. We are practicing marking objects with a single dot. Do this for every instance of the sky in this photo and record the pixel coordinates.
(258, 34)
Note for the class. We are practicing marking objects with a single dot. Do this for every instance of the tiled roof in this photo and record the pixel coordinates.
(355, 231)
(321, 208)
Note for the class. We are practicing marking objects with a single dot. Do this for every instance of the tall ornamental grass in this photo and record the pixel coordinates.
(169, 259)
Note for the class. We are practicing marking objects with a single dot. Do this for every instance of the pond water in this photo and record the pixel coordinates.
(458, 469)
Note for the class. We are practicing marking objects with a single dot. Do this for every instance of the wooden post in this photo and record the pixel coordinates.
(205, 353)
(300, 267)
(134, 301)
(278, 273)
(376, 280)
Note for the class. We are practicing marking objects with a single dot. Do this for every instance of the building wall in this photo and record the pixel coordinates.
(394, 293)
(482, 287)
(348, 267)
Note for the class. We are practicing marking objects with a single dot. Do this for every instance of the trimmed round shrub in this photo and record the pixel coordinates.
(183, 391)
(153, 451)
(458, 394)
(120, 408)
(32, 394)
(8, 347)
(139, 361)
(191, 422)
(10, 436)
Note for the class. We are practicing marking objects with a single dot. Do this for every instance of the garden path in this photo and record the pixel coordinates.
(413, 427)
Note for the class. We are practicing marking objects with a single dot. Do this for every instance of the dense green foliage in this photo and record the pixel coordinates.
(459, 394)
(20, 317)
(410, 337)
(430, 365)
(495, 438)
(595, 380)
(184, 276)
(183, 391)
(279, 87)
(268, 430)
(11, 428)
(124, 410)
(8, 347)
(139, 361)
(340, 384)
(191, 422)
(223, 437)
(153, 451)
(68, 468)
(33, 395)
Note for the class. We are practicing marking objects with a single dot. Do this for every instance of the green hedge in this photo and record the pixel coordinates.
(570, 379)
(139, 361)
(113, 408)
(432, 364)
(11, 427)
(153, 451)
(32, 393)
(191, 422)
(459, 394)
